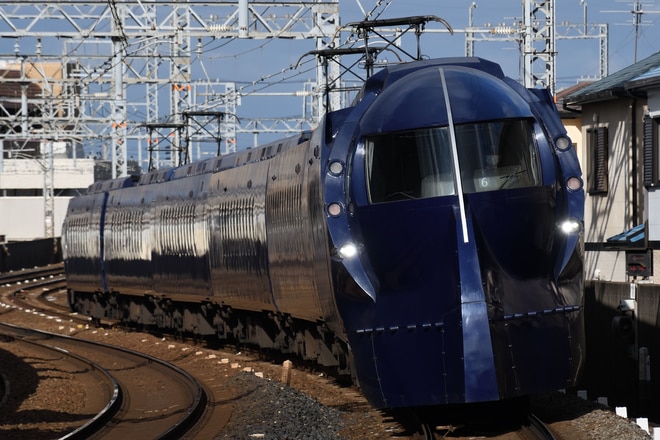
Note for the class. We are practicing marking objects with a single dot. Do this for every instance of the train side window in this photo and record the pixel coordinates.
(409, 165)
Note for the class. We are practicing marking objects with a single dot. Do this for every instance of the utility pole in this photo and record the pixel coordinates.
(48, 168)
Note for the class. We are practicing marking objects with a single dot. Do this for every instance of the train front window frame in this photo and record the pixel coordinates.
(418, 164)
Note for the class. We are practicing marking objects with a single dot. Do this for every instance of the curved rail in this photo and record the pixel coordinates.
(188, 419)
(20, 297)
(539, 429)
(192, 414)
(113, 404)
(20, 276)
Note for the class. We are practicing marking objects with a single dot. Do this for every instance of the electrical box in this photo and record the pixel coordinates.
(639, 263)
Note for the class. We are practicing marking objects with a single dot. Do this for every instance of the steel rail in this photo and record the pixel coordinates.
(112, 406)
(190, 416)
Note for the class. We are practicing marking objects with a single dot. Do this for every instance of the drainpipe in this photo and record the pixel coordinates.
(633, 129)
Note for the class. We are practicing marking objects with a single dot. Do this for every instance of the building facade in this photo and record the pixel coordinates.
(39, 172)
(620, 117)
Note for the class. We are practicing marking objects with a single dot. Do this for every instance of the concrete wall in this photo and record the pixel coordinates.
(612, 367)
(22, 218)
(610, 214)
(28, 173)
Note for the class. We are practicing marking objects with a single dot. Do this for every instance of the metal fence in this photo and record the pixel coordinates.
(26, 254)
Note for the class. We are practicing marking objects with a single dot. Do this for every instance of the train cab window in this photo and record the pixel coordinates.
(409, 165)
(418, 164)
(497, 155)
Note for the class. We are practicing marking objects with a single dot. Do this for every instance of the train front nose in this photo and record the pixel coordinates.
(534, 304)
(463, 318)
(446, 187)
(408, 343)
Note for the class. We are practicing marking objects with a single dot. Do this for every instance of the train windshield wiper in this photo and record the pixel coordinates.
(398, 195)
(508, 178)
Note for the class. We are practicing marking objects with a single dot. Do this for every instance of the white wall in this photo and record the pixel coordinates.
(22, 218)
(28, 173)
(605, 266)
(609, 214)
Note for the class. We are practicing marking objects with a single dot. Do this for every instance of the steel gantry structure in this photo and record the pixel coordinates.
(537, 34)
(109, 77)
(103, 74)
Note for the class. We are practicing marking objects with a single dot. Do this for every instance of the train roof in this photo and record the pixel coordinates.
(211, 165)
(109, 185)
(418, 94)
(389, 74)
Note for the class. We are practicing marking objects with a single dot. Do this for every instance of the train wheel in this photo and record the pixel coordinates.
(415, 427)
(425, 432)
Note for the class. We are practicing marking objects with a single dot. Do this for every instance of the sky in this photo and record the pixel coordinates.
(265, 74)
(576, 59)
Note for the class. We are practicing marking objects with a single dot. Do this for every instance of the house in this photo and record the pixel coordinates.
(571, 117)
(620, 118)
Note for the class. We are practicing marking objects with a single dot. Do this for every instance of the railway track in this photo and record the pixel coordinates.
(32, 274)
(536, 429)
(41, 300)
(530, 428)
(105, 392)
(154, 399)
(41, 293)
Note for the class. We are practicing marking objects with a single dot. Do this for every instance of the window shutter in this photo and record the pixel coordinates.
(602, 159)
(598, 157)
(649, 172)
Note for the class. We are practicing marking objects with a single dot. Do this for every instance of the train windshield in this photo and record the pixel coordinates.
(417, 164)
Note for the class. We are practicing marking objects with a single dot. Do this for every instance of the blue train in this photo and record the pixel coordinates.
(425, 240)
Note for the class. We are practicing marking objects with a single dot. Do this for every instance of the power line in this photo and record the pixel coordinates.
(129, 59)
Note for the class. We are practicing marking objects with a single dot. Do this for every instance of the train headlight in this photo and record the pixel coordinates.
(570, 226)
(348, 250)
(336, 168)
(334, 209)
(574, 183)
(563, 143)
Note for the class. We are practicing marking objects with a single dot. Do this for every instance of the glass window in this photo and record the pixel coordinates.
(409, 165)
(497, 155)
(418, 164)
